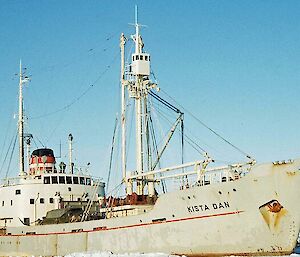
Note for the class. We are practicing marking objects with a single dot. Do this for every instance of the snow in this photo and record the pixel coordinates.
(108, 254)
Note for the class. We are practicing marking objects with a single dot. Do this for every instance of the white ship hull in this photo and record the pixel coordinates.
(218, 219)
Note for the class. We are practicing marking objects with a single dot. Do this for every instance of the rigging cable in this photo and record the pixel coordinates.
(210, 129)
(164, 102)
(75, 100)
(10, 144)
(11, 155)
(79, 56)
(39, 142)
(112, 152)
(164, 187)
(194, 141)
(130, 129)
(203, 152)
(5, 139)
(154, 141)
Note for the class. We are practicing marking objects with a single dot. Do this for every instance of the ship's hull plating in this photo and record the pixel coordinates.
(255, 215)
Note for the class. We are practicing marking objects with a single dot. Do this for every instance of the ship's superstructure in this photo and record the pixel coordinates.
(238, 209)
(42, 186)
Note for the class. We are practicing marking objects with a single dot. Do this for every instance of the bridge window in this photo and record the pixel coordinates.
(82, 181)
(69, 180)
(75, 180)
(62, 180)
(46, 180)
(54, 180)
(88, 181)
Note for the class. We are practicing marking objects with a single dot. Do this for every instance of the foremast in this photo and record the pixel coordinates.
(136, 81)
(138, 90)
(138, 108)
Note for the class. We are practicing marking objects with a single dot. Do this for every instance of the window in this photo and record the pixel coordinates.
(133, 58)
(26, 221)
(48, 169)
(51, 200)
(18, 191)
(141, 57)
(69, 180)
(46, 180)
(54, 180)
(11, 202)
(88, 181)
(81, 180)
(31, 201)
(69, 189)
(75, 180)
(146, 58)
(42, 200)
(137, 57)
(2, 203)
(62, 180)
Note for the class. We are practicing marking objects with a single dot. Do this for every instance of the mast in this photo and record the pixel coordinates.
(123, 105)
(138, 86)
(21, 124)
(127, 182)
(138, 109)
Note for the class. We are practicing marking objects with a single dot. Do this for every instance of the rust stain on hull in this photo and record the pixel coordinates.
(235, 254)
(272, 213)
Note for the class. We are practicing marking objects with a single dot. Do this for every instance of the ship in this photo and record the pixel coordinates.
(237, 209)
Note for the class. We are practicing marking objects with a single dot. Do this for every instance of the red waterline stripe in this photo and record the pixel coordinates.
(134, 225)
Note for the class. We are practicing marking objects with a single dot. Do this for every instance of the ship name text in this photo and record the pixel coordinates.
(207, 207)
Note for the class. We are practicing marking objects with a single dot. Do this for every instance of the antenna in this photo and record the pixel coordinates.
(136, 15)
(136, 38)
(137, 33)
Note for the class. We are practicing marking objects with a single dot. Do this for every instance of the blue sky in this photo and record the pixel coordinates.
(233, 64)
